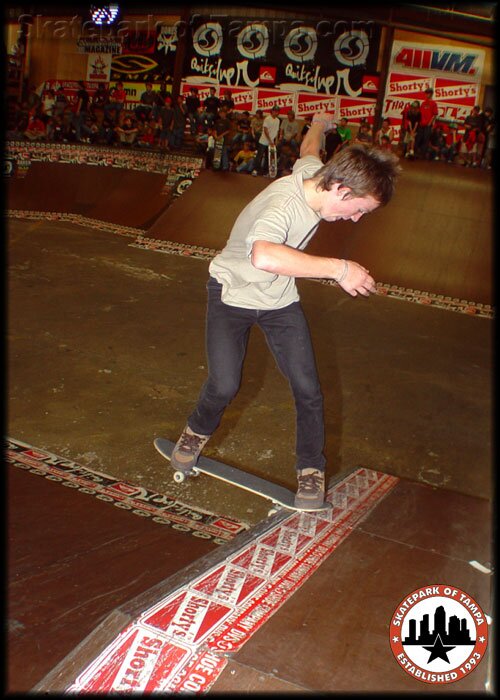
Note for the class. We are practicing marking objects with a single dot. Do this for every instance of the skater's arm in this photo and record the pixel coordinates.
(281, 259)
(311, 143)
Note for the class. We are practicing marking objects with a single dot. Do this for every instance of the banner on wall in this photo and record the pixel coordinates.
(310, 104)
(147, 56)
(328, 57)
(99, 67)
(101, 45)
(438, 60)
(134, 91)
(455, 98)
(203, 90)
(71, 88)
(354, 109)
(453, 73)
(266, 99)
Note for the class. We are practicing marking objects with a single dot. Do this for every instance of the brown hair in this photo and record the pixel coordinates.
(365, 170)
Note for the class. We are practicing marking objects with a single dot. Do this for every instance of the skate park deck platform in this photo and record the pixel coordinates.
(106, 352)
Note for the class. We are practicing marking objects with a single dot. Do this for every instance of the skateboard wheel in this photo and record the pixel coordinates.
(179, 477)
(272, 511)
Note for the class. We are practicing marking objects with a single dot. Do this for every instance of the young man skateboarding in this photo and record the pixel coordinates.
(252, 281)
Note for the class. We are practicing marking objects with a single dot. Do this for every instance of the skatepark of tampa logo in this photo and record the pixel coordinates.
(438, 634)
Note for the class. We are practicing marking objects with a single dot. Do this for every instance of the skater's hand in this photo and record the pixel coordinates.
(356, 279)
(326, 119)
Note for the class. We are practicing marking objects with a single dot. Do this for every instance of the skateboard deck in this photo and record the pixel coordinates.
(278, 495)
(272, 161)
(217, 159)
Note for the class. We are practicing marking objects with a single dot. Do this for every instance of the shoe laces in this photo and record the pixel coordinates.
(311, 482)
(191, 443)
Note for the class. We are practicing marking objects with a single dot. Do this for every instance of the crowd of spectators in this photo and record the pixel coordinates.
(161, 121)
(425, 136)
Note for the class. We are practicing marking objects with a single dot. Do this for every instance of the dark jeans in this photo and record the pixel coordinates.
(422, 138)
(287, 335)
(261, 162)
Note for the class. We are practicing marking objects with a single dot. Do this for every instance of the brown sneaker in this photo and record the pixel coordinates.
(311, 488)
(187, 449)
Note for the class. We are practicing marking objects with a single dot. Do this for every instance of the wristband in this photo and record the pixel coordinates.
(343, 274)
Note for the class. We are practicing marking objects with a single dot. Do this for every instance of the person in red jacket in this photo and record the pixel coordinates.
(468, 146)
(428, 114)
(36, 129)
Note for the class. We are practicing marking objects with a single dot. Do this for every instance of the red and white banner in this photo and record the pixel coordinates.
(370, 84)
(455, 98)
(454, 73)
(310, 103)
(408, 85)
(71, 88)
(181, 643)
(266, 98)
(466, 62)
(354, 109)
(243, 99)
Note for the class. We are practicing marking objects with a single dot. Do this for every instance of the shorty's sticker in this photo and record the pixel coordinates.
(438, 634)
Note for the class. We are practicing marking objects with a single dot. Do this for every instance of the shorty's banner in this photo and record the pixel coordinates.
(308, 103)
(452, 72)
(354, 109)
(267, 99)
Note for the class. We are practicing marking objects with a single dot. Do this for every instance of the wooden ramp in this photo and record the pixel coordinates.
(434, 236)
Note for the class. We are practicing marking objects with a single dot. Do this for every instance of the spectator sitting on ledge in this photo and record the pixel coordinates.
(127, 132)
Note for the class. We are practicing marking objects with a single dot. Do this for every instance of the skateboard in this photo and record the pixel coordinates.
(217, 157)
(278, 495)
(272, 161)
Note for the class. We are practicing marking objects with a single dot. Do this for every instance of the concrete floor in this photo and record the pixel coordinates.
(106, 352)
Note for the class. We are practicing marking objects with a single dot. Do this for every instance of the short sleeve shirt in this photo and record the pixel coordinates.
(272, 124)
(279, 214)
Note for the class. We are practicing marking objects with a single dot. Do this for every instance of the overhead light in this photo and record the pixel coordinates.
(104, 15)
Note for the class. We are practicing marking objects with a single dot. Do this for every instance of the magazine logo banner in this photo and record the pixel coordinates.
(438, 59)
(438, 634)
(109, 45)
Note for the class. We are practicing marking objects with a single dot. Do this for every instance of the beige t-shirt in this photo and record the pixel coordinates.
(279, 214)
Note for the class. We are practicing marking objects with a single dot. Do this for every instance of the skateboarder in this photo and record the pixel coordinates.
(252, 281)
